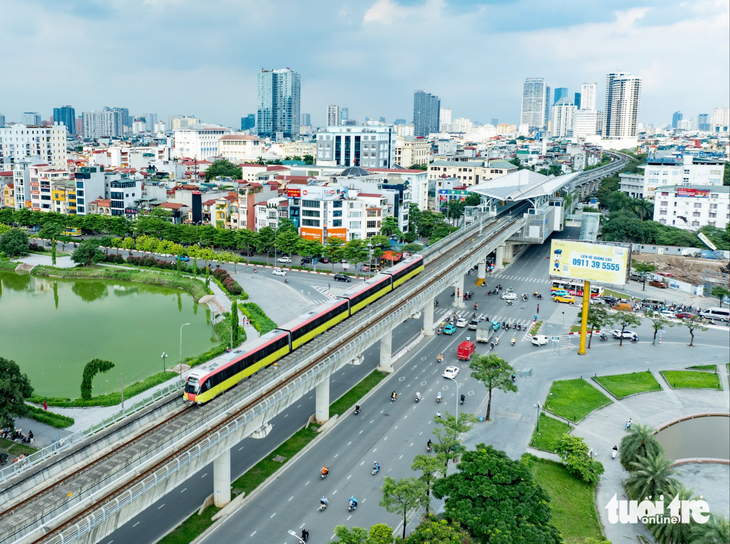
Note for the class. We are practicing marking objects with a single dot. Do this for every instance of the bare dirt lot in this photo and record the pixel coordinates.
(687, 269)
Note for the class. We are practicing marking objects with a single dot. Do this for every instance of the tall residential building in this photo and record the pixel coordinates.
(333, 115)
(720, 120)
(533, 103)
(364, 146)
(99, 124)
(401, 122)
(495, 121)
(560, 93)
(344, 115)
(31, 118)
(547, 107)
(588, 96)
(279, 102)
(576, 100)
(306, 120)
(623, 98)
(2, 120)
(79, 125)
(585, 123)
(426, 113)
(248, 122)
(66, 116)
(444, 120)
(561, 124)
(126, 120)
(703, 122)
(676, 118)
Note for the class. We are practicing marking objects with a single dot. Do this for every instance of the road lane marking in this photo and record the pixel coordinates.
(381, 411)
(204, 475)
(386, 438)
(253, 533)
(239, 449)
(160, 506)
(133, 526)
(184, 490)
(334, 492)
(361, 431)
(411, 445)
(401, 457)
(286, 415)
(419, 434)
(376, 449)
(350, 476)
(297, 407)
(307, 483)
(272, 515)
(349, 443)
(372, 420)
(348, 517)
(394, 428)
(301, 526)
(361, 464)
(290, 498)
(337, 455)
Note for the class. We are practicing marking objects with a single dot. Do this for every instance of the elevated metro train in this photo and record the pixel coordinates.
(211, 379)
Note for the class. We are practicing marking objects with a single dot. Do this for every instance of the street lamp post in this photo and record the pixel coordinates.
(292, 533)
(457, 398)
(181, 328)
(164, 360)
(537, 428)
(370, 259)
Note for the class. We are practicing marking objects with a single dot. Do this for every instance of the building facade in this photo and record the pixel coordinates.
(469, 172)
(560, 93)
(676, 118)
(685, 172)
(333, 115)
(693, 207)
(588, 96)
(364, 146)
(48, 144)
(31, 118)
(279, 103)
(426, 113)
(66, 116)
(562, 119)
(584, 123)
(248, 122)
(239, 147)
(534, 104)
(102, 124)
(623, 99)
(199, 141)
(445, 120)
(410, 151)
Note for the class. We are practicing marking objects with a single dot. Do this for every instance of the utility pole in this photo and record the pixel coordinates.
(122, 378)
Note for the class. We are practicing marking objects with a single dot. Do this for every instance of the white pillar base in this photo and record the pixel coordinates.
(428, 319)
(222, 479)
(386, 348)
(322, 401)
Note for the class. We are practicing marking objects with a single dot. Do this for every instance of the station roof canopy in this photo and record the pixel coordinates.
(522, 185)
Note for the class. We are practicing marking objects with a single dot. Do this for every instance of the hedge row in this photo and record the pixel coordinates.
(260, 321)
(49, 418)
(228, 284)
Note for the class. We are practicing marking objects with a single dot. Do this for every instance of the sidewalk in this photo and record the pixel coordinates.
(34, 259)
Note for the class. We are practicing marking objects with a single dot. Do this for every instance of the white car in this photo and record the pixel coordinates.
(451, 372)
(279, 272)
(283, 260)
(539, 340)
(628, 335)
(509, 296)
(668, 314)
(461, 323)
(473, 325)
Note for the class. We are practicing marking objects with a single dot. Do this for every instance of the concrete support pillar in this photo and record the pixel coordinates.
(482, 271)
(222, 479)
(428, 318)
(386, 346)
(499, 258)
(459, 293)
(322, 400)
(509, 251)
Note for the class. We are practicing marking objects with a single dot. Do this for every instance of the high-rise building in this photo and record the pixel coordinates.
(623, 98)
(720, 120)
(547, 107)
(588, 96)
(703, 122)
(31, 118)
(333, 115)
(344, 115)
(563, 113)
(576, 100)
(401, 121)
(79, 125)
(45, 144)
(306, 120)
(533, 103)
(344, 146)
(279, 102)
(126, 120)
(560, 93)
(2, 120)
(676, 117)
(426, 113)
(495, 121)
(248, 122)
(444, 120)
(98, 124)
(66, 116)
(585, 123)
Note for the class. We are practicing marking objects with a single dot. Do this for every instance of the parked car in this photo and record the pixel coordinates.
(449, 329)
(610, 300)
(451, 372)
(247, 252)
(342, 277)
(539, 340)
(509, 296)
(279, 272)
(283, 260)
(684, 315)
(183, 258)
(324, 260)
(306, 260)
(461, 323)
(668, 314)
(473, 324)
(566, 299)
(659, 284)
(628, 335)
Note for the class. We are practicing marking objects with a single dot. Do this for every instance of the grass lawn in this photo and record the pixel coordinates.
(346, 401)
(623, 385)
(704, 367)
(536, 328)
(14, 449)
(615, 294)
(551, 431)
(688, 379)
(574, 399)
(191, 528)
(571, 501)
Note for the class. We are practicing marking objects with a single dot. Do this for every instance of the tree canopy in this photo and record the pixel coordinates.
(87, 253)
(14, 389)
(496, 499)
(494, 373)
(223, 168)
(14, 243)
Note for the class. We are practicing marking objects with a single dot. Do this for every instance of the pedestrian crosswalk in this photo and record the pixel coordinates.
(513, 322)
(520, 278)
(321, 289)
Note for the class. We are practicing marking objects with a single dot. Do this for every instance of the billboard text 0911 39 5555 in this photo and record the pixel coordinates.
(585, 261)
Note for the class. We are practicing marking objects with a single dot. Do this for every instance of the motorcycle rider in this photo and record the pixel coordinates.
(393, 396)
(418, 396)
(323, 501)
(429, 447)
(476, 306)
(357, 409)
(513, 340)
(353, 502)
(305, 535)
(438, 397)
(325, 471)
(376, 466)
(440, 358)
(462, 398)
(438, 414)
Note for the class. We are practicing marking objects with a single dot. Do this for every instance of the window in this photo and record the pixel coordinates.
(698, 205)
(310, 222)
(713, 195)
(337, 222)
(695, 223)
(713, 215)
(371, 224)
(662, 212)
(713, 206)
(310, 204)
(696, 214)
(664, 203)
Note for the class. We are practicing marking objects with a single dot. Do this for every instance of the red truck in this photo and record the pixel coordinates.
(466, 350)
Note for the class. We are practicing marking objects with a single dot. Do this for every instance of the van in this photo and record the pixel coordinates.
(623, 306)
(466, 350)
(719, 314)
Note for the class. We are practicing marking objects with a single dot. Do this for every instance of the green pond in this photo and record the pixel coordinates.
(53, 327)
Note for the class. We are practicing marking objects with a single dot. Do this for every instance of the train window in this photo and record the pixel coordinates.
(206, 385)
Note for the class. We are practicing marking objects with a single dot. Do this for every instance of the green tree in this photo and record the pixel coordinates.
(53, 251)
(496, 499)
(717, 528)
(644, 269)
(245, 239)
(128, 243)
(401, 496)
(448, 432)
(287, 242)
(454, 210)
(651, 476)
(494, 373)
(162, 213)
(625, 319)
(358, 535)
(14, 389)
(693, 324)
(308, 159)
(598, 318)
(674, 533)
(333, 249)
(14, 243)
(265, 241)
(389, 226)
(433, 530)
(309, 248)
(720, 292)
(286, 225)
(638, 443)
(234, 324)
(87, 253)
(431, 469)
(380, 533)
(380, 241)
(574, 453)
(658, 323)
(223, 168)
(92, 368)
(356, 251)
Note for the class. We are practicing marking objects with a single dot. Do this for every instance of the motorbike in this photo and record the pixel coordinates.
(513, 341)
(322, 507)
(325, 474)
(509, 303)
(357, 410)
(375, 470)
(418, 398)
(438, 398)
(351, 507)
(462, 398)
(439, 331)
(429, 448)
(305, 535)
(440, 358)
(603, 337)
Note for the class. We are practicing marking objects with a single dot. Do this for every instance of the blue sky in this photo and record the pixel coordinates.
(201, 58)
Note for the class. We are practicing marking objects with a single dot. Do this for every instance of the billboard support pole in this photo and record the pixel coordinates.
(584, 317)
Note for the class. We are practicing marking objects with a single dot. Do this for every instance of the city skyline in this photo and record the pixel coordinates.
(386, 26)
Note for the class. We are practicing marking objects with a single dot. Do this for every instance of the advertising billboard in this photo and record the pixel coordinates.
(689, 192)
(584, 261)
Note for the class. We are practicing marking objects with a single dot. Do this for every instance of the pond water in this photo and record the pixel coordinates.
(699, 437)
(53, 327)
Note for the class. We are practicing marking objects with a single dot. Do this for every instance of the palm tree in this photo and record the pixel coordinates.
(638, 443)
(715, 531)
(673, 533)
(651, 477)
